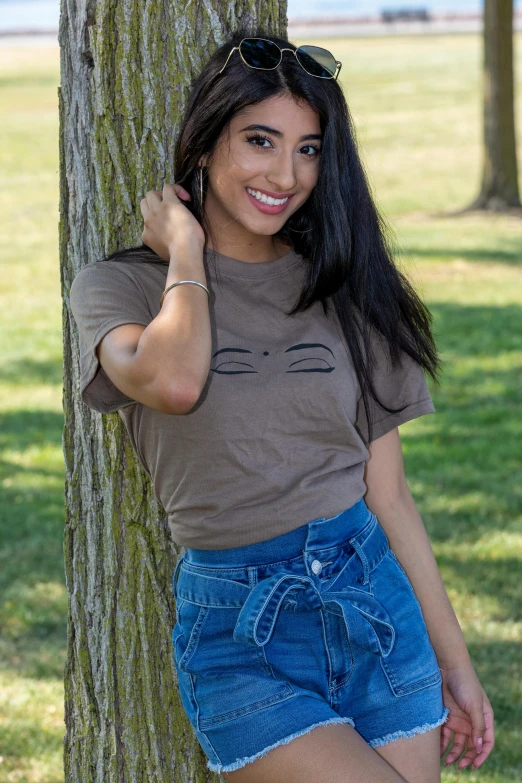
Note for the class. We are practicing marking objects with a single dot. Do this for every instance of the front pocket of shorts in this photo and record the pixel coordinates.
(230, 679)
(412, 663)
(185, 635)
(177, 630)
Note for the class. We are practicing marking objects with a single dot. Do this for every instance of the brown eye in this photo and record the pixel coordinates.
(257, 137)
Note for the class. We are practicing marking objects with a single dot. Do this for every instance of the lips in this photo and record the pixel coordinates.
(267, 208)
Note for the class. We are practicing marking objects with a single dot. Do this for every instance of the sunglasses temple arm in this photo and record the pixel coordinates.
(236, 48)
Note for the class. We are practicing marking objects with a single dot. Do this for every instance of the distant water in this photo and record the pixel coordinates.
(310, 8)
(45, 14)
(29, 14)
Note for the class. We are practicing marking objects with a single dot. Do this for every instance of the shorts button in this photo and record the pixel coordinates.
(316, 567)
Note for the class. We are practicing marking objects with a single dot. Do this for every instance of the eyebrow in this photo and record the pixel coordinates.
(232, 350)
(300, 347)
(279, 133)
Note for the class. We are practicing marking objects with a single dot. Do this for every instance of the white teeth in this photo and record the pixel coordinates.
(266, 199)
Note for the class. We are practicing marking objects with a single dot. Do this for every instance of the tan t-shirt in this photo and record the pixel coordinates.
(278, 435)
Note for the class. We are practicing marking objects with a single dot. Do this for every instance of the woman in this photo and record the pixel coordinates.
(262, 349)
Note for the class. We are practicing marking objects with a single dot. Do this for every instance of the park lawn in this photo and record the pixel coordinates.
(416, 106)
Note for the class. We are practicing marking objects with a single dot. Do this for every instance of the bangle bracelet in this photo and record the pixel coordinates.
(179, 283)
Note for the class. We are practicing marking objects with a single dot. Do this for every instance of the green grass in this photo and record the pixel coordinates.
(33, 603)
(417, 107)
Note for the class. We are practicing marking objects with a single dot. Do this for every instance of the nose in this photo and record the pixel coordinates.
(283, 176)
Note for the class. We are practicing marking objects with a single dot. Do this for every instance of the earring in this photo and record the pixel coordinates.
(201, 183)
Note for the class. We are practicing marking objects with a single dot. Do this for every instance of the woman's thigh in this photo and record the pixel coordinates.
(416, 758)
(327, 754)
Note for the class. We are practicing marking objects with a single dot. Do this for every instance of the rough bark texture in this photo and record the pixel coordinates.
(499, 188)
(125, 70)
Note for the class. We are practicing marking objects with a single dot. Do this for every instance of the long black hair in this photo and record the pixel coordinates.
(338, 230)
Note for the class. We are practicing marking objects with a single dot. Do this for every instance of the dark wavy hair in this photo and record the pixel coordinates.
(338, 230)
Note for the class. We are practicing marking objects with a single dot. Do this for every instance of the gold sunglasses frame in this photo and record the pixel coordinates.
(238, 48)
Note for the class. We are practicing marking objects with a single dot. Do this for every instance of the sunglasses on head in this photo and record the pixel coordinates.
(267, 55)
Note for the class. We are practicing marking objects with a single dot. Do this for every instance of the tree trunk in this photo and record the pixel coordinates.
(499, 189)
(125, 71)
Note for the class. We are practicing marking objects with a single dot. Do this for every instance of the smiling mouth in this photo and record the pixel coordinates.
(267, 204)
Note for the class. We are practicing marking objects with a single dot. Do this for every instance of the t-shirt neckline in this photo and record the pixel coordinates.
(232, 267)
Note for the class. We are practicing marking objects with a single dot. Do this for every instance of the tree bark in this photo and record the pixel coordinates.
(126, 67)
(499, 188)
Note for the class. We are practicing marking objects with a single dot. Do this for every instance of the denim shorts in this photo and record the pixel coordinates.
(316, 626)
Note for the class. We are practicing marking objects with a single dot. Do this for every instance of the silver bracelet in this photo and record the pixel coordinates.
(179, 283)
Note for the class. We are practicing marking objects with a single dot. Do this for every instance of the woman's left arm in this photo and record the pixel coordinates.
(389, 498)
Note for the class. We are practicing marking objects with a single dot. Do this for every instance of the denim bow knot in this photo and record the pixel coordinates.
(368, 624)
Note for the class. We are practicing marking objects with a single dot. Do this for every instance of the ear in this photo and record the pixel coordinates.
(203, 160)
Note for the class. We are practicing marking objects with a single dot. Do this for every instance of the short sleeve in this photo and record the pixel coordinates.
(396, 387)
(103, 295)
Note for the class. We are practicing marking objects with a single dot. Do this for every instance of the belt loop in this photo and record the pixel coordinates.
(364, 561)
(359, 548)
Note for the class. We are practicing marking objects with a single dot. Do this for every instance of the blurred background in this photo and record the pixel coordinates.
(414, 86)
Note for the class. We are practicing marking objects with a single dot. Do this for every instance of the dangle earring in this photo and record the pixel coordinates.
(201, 183)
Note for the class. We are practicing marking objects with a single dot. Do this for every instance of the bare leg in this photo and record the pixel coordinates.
(327, 754)
(415, 758)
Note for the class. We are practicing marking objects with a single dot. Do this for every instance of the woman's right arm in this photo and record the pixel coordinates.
(165, 364)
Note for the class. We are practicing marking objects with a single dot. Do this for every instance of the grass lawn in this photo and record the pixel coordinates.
(417, 107)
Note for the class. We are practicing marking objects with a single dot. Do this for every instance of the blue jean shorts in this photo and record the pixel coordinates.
(316, 626)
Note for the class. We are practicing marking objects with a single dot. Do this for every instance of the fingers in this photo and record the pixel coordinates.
(170, 191)
(151, 199)
(445, 737)
(459, 744)
(463, 742)
(478, 726)
(469, 756)
(489, 735)
(175, 191)
(144, 207)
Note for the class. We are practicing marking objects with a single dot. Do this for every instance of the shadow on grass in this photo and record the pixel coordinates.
(465, 461)
(494, 255)
(485, 577)
(35, 648)
(33, 610)
(23, 429)
(32, 498)
(477, 331)
(31, 372)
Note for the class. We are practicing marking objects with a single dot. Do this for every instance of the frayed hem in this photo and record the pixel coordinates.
(248, 759)
(418, 730)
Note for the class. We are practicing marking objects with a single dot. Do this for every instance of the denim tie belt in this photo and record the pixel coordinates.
(367, 622)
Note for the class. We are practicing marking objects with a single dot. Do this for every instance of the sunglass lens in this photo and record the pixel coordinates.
(259, 53)
(317, 61)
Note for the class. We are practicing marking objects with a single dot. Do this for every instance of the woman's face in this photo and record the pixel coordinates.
(281, 160)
